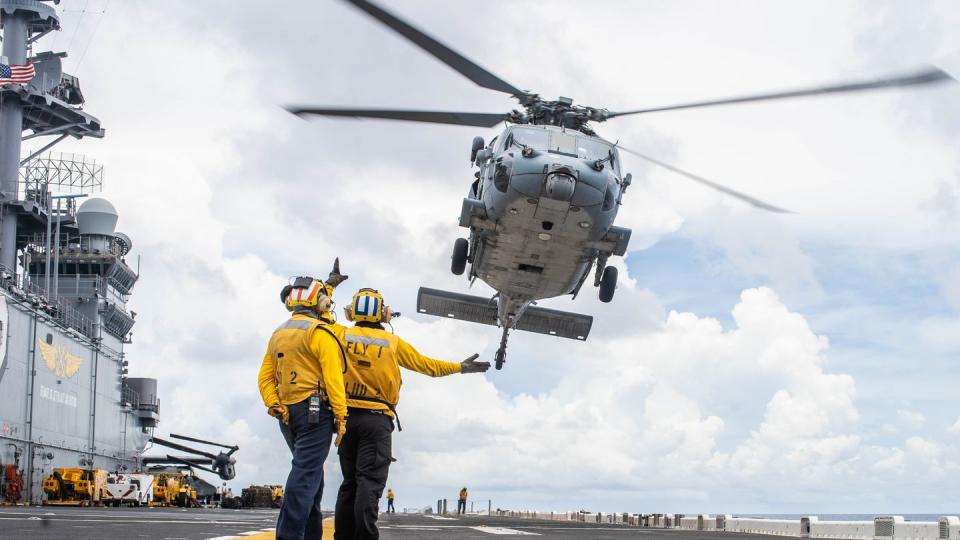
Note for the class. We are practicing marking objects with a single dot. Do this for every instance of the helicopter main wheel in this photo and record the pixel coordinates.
(459, 261)
(500, 358)
(608, 284)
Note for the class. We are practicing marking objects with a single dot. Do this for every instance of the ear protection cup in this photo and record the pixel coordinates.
(285, 292)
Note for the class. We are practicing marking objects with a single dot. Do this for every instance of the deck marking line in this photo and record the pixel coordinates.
(502, 530)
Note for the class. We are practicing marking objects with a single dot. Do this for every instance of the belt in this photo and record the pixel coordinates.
(361, 410)
(376, 411)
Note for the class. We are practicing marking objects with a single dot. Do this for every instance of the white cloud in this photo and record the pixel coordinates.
(911, 419)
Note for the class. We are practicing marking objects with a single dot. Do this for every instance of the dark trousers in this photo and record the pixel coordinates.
(310, 443)
(365, 457)
(390, 507)
(462, 506)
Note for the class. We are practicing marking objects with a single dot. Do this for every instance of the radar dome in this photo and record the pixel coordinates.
(97, 216)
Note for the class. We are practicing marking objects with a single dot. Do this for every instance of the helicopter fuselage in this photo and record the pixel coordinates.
(541, 213)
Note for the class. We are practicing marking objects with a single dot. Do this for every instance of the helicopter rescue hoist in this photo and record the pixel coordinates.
(542, 203)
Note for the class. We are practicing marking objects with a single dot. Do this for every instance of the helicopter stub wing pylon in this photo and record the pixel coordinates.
(477, 309)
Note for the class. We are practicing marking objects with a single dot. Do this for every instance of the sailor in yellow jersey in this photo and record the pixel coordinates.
(373, 381)
(462, 501)
(390, 498)
(301, 383)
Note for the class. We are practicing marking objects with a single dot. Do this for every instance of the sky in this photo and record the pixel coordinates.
(750, 362)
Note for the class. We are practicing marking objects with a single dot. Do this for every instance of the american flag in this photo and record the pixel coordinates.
(16, 74)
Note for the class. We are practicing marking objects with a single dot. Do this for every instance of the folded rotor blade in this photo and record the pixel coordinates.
(445, 54)
(713, 185)
(927, 76)
(182, 448)
(436, 117)
(195, 465)
(194, 439)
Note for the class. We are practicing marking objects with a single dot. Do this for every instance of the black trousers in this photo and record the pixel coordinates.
(365, 456)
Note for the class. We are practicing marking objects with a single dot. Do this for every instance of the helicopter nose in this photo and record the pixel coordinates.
(560, 186)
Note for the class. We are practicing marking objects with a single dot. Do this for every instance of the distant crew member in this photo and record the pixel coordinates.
(373, 380)
(462, 501)
(301, 383)
(390, 508)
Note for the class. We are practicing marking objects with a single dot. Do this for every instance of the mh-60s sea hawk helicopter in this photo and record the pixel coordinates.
(541, 209)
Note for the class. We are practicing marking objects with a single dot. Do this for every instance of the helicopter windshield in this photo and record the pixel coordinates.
(534, 138)
(560, 142)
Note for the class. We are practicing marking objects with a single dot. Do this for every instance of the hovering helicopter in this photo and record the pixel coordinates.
(542, 205)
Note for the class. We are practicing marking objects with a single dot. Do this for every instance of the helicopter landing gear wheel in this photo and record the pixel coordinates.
(608, 284)
(458, 262)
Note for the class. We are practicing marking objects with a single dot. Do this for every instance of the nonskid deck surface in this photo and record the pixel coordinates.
(41, 523)
(51, 522)
(402, 526)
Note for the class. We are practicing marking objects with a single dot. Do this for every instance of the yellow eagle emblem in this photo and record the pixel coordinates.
(59, 360)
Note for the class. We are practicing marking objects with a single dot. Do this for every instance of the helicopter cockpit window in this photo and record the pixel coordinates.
(534, 138)
(593, 149)
(563, 143)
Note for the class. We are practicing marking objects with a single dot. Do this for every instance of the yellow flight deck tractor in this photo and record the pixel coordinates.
(187, 495)
(72, 486)
(166, 487)
(174, 489)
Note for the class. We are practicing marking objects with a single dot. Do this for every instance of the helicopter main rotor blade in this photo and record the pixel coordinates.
(753, 201)
(435, 117)
(448, 56)
(927, 76)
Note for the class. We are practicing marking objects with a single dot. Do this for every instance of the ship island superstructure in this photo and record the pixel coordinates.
(65, 280)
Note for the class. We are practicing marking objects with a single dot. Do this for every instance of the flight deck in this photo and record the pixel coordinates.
(44, 522)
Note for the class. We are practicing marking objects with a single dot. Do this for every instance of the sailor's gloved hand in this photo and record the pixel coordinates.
(335, 278)
(471, 366)
(280, 411)
(341, 424)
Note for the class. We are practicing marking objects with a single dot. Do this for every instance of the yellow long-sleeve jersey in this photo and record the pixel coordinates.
(300, 359)
(374, 359)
